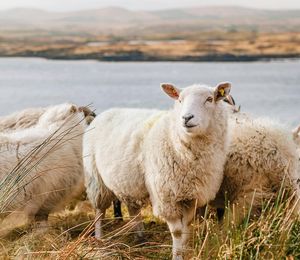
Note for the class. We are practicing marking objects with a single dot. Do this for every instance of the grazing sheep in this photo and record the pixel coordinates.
(296, 135)
(20, 120)
(262, 156)
(42, 165)
(30, 117)
(174, 158)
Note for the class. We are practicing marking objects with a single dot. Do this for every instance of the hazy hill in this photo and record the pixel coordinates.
(117, 34)
(113, 18)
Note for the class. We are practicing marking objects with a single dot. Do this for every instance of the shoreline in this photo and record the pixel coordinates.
(140, 57)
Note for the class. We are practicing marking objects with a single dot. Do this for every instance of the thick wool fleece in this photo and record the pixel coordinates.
(54, 172)
(137, 155)
(20, 120)
(262, 156)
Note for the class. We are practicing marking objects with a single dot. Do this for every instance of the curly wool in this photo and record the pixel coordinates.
(54, 173)
(262, 156)
(146, 159)
(21, 119)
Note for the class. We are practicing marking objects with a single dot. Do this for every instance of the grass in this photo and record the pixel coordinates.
(197, 44)
(275, 234)
(272, 235)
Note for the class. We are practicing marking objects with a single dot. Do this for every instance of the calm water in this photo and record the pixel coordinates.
(262, 88)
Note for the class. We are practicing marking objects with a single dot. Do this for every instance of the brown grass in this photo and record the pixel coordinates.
(274, 235)
(206, 43)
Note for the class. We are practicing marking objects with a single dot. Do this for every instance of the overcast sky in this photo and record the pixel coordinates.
(68, 5)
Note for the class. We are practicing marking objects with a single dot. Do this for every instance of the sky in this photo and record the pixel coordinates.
(72, 5)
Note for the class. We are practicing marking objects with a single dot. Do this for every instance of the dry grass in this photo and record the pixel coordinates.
(274, 235)
(197, 45)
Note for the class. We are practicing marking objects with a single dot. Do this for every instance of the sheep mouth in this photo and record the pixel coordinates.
(189, 126)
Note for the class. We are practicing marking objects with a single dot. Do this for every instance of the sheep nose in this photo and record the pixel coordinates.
(187, 118)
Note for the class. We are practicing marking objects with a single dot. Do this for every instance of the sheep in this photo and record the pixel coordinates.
(30, 116)
(262, 156)
(20, 120)
(296, 135)
(174, 159)
(47, 159)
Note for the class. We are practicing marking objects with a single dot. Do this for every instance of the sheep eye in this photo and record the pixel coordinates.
(179, 100)
(209, 99)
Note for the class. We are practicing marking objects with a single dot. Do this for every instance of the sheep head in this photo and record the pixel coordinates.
(89, 115)
(196, 105)
(296, 135)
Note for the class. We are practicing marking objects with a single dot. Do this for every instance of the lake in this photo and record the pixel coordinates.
(261, 88)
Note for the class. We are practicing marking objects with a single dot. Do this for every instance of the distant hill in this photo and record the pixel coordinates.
(115, 19)
(182, 34)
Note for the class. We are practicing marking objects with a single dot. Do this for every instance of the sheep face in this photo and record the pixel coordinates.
(296, 134)
(195, 106)
(59, 113)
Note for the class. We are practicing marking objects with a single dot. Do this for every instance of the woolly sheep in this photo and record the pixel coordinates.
(262, 156)
(52, 174)
(21, 119)
(174, 158)
(296, 136)
(29, 117)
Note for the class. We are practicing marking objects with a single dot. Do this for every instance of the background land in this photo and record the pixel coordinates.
(186, 34)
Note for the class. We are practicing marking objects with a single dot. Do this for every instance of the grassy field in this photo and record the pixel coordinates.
(205, 46)
(273, 235)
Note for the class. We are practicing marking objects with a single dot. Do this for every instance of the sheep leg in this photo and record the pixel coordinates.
(19, 218)
(200, 212)
(14, 220)
(135, 212)
(41, 222)
(180, 231)
(117, 209)
(100, 215)
(247, 204)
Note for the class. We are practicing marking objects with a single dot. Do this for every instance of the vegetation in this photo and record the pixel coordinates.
(184, 34)
(275, 234)
(272, 235)
(197, 46)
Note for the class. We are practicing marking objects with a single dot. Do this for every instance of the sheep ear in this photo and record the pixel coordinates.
(222, 91)
(73, 109)
(296, 132)
(87, 111)
(171, 90)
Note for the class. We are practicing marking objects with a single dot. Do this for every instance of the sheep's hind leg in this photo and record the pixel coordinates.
(19, 218)
(249, 204)
(117, 209)
(16, 219)
(180, 229)
(135, 212)
(41, 222)
(99, 217)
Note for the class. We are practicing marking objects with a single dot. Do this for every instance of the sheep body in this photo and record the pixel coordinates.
(21, 119)
(262, 156)
(54, 173)
(148, 159)
(100, 152)
(296, 136)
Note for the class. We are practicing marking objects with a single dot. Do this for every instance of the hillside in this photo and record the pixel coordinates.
(203, 33)
(112, 17)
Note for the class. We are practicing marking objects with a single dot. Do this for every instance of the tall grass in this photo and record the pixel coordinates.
(271, 235)
(274, 234)
(27, 161)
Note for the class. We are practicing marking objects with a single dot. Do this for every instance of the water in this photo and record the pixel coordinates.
(262, 88)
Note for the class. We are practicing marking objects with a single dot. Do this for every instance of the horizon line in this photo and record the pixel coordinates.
(50, 10)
